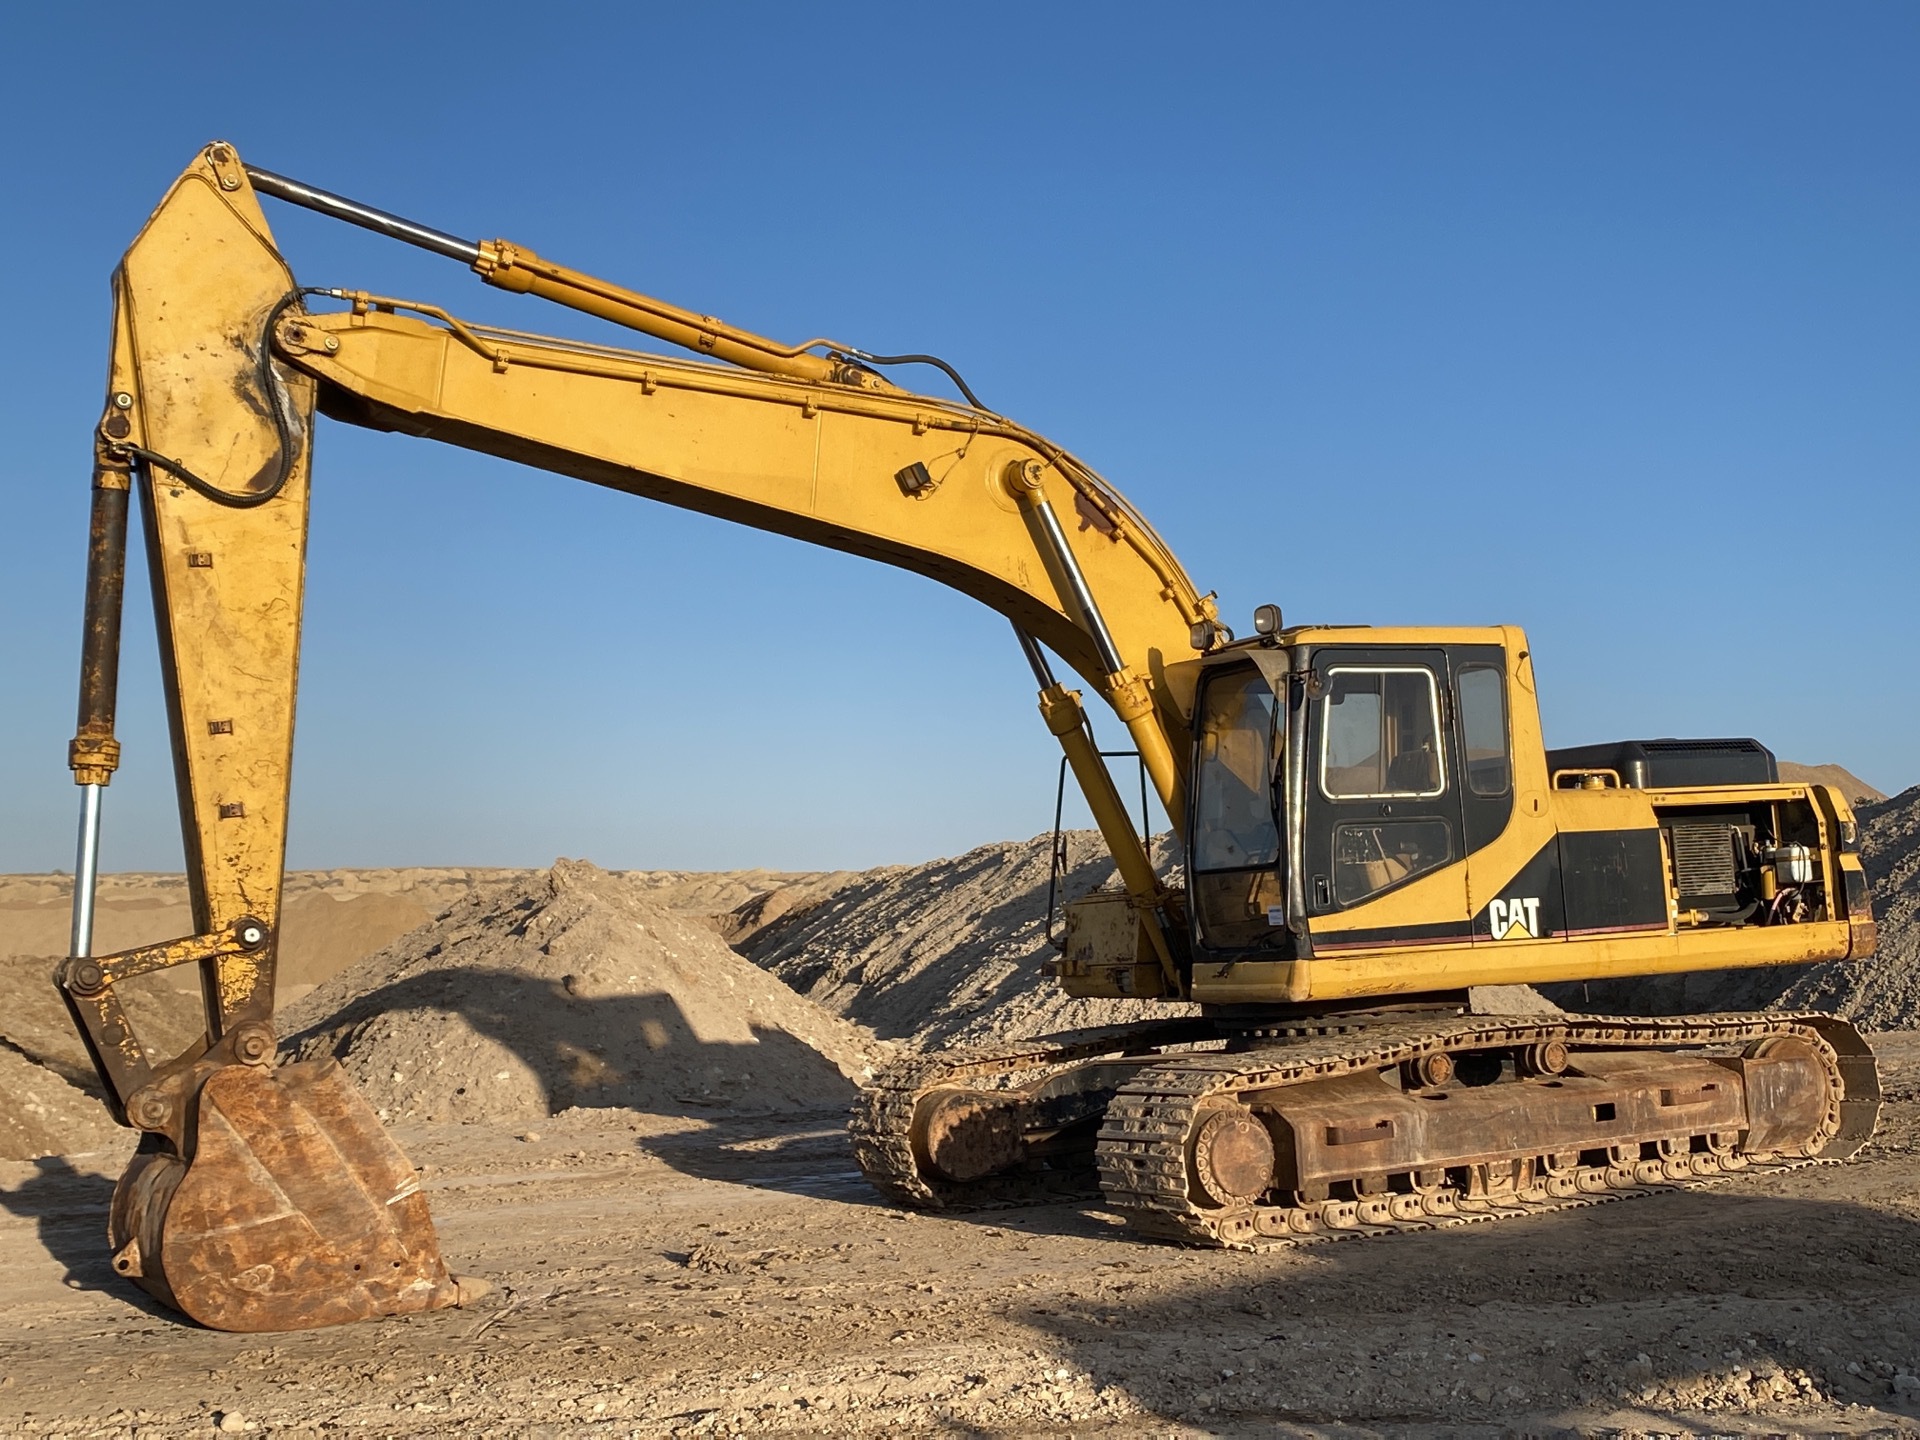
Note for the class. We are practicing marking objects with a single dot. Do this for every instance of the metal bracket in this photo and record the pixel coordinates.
(167, 1103)
(296, 335)
(226, 166)
(86, 976)
(86, 984)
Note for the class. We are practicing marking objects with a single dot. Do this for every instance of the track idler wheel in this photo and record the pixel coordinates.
(292, 1208)
(1232, 1157)
(966, 1135)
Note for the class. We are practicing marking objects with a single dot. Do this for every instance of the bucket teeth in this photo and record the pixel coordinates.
(296, 1209)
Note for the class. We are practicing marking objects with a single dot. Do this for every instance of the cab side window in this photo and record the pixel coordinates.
(1482, 690)
(1380, 734)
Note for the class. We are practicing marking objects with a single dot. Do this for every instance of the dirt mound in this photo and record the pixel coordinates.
(718, 895)
(741, 926)
(1857, 791)
(41, 1114)
(322, 933)
(36, 912)
(34, 1022)
(329, 919)
(51, 1102)
(949, 951)
(574, 987)
(332, 918)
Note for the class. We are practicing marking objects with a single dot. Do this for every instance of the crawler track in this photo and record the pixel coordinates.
(1142, 1154)
(1141, 1158)
(882, 1119)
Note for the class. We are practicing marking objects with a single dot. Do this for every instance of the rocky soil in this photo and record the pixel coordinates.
(332, 920)
(953, 951)
(44, 1114)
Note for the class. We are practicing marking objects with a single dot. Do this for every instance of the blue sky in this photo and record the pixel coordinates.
(1601, 320)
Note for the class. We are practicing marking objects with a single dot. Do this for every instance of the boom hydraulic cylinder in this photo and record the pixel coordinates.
(1126, 692)
(512, 267)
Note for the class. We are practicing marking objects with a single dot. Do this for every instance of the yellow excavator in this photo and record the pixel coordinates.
(1369, 820)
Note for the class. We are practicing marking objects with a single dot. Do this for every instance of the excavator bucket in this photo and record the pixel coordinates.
(293, 1208)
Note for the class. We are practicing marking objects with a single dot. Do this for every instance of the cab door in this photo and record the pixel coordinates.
(1384, 843)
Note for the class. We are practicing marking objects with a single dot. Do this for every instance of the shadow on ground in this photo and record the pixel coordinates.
(69, 1209)
(635, 1052)
(807, 1155)
(1685, 1310)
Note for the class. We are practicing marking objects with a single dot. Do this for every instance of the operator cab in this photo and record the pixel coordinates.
(1330, 772)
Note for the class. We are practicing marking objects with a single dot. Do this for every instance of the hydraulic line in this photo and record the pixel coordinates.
(934, 360)
(273, 391)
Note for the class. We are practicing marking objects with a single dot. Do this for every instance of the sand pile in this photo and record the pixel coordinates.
(136, 908)
(949, 951)
(50, 1099)
(1857, 791)
(735, 903)
(332, 918)
(328, 920)
(322, 933)
(574, 987)
(34, 1022)
(44, 1115)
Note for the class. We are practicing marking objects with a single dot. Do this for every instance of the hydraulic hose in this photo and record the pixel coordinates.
(275, 393)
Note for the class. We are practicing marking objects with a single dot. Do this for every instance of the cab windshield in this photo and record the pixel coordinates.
(1235, 851)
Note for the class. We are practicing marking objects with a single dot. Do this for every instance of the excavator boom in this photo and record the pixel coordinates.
(270, 1198)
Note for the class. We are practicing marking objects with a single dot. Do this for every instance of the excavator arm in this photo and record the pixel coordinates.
(269, 1197)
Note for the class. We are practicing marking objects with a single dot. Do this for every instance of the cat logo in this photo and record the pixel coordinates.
(1514, 919)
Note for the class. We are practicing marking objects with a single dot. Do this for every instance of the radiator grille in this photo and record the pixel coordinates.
(1703, 860)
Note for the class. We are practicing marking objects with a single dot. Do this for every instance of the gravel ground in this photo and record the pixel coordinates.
(686, 1276)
